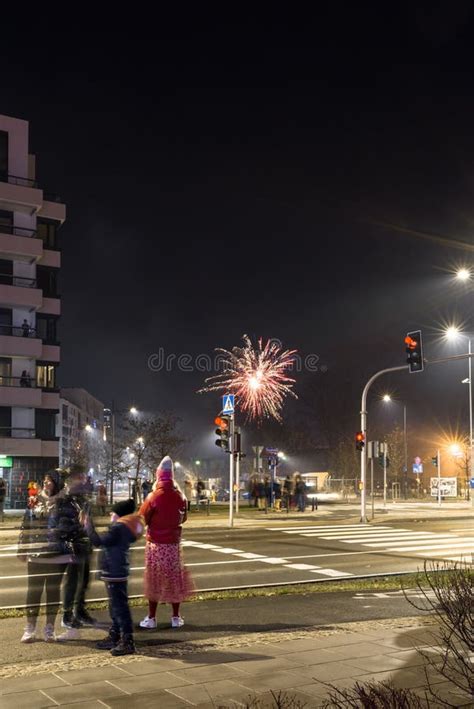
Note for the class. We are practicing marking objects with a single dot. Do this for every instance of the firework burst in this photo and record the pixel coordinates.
(257, 376)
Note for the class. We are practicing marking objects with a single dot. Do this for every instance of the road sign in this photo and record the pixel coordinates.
(417, 465)
(373, 449)
(272, 451)
(228, 404)
(448, 487)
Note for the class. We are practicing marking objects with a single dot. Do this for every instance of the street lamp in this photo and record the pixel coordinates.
(387, 399)
(88, 428)
(453, 333)
(463, 274)
(109, 416)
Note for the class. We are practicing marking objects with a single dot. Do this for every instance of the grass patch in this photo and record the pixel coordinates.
(380, 583)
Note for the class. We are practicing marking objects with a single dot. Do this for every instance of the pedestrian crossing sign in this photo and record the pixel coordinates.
(228, 404)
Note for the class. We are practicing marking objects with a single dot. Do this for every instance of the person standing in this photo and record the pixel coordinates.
(300, 493)
(3, 494)
(74, 506)
(125, 529)
(188, 492)
(287, 491)
(25, 326)
(146, 488)
(166, 578)
(101, 498)
(44, 547)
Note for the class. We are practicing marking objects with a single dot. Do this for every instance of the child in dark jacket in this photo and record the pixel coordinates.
(125, 529)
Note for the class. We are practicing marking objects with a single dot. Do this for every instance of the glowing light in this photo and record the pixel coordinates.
(257, 375)
(463, 274)
(455, 450)
(452, 332)
(134, 411)
(386, 398)
(140, 440)
(88, 428)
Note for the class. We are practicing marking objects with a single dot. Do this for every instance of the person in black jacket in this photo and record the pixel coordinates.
(74, 505)
(125, 529)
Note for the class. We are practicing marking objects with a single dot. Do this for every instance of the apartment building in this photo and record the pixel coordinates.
(30, 221)
(80, 429)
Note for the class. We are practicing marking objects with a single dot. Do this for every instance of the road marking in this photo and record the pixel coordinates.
(413, 540)
(441, 547)
(250, 555)
(331, 572)
(273, 560)
(302, 567)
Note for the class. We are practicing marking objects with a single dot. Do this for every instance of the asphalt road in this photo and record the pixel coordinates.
(284, 552)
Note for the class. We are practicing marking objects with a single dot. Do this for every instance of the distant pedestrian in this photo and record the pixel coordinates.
(261, 497)
(134, 492)
(300, 493)
(277, 494)
(25, 326)
(101, 498)
(3, 494)
(45, 547)
(146, 488)
(166, 578)
(200, 494)
(126, 527)
(287, 492)
(188, 492)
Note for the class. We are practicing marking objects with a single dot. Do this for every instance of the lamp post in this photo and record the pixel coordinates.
(453, 333)
(109, 416)
(387, 398)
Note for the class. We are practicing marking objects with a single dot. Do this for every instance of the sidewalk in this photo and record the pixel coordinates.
(227, 670)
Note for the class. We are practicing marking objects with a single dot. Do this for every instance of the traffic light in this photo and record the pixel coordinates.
(360, 440)
(434, 460)
(223, 431)
(414, 349)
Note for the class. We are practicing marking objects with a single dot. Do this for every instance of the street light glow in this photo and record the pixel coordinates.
(88, 428)
(463, 274)
(386, 398)
(198, 462)
(452, 332)
(134, 411)
(455, 450)
(140, 440)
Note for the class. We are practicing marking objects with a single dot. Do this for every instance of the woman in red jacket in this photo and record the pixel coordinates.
(166, 578)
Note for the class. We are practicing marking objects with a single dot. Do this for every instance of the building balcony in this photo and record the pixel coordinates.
(18, 194)
(50, 306)
(52, 208)
(19, 296)
(13, 343)
(20, 244)
(26, 444)
(50, 258)
(18, 395)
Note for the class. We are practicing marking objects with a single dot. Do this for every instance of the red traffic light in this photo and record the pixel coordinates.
(360, 436)
(360, 440)
(221, 422)
(411, 343)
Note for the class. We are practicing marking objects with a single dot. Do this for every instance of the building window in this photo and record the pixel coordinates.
(5, 371)
(6, 222)
(46, 279)
(45, 424)
(46, 328)
(47, 231)
(5, 421)
(46, 376)
(3, 156)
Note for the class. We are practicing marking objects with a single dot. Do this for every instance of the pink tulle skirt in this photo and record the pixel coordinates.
(167, 580)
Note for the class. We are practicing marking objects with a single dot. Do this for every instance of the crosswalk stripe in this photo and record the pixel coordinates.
(302, 567)
(331, 572)
(323, 527)
(452, 546)
(412, 540)
(385, 535)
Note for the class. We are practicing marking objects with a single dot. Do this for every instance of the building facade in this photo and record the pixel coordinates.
(80, 429)
(30, 259)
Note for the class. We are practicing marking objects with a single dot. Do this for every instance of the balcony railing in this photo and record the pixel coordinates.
(15, 180)
(18, 331)
(18, 231)
(26, 382)
(14, 432)
(51, 197)
(11, 280)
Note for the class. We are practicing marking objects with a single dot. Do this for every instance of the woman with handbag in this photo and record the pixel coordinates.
(166, 578)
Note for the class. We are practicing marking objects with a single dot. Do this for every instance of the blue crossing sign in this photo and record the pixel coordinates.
(228, 407)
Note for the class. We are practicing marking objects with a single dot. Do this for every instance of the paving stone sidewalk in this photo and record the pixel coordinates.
(230, 671)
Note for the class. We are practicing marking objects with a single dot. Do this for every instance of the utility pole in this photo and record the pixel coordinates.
(405, 445)
(439, 477)
(231, 470)
(384, 449)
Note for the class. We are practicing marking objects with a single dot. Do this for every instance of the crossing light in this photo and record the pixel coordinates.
(222, 431)
(414, 350)
(360, 440)
(434, 460)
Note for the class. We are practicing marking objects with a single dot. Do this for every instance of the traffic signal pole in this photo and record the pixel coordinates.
(363, 428)
(231, 470)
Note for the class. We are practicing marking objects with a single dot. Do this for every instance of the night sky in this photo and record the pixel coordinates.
(228, 174)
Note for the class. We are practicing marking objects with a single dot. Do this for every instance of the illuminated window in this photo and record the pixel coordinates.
(46, 376)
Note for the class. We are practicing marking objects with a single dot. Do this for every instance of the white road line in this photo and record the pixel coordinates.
(302, 567)
(375, 537)
(447, 547)
(331, 572)
(273, 560)
(227, 550)
(407, 542)
(298, 530)
(250, 555)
